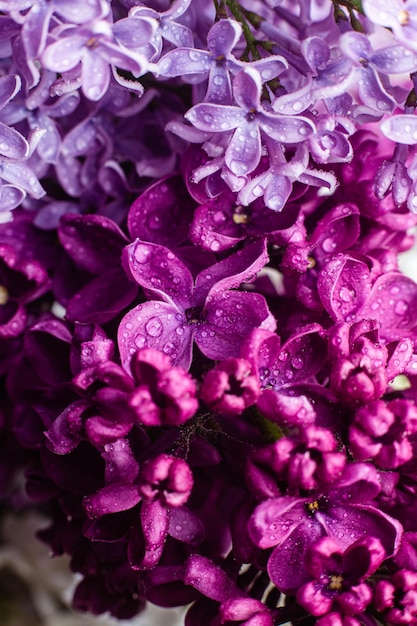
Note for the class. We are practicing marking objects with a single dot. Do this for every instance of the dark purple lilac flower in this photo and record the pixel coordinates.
(209, 311)
(396, 598)
(338, 577)
(380, 431)
(248, 119)
(230, 387)
(344, 511)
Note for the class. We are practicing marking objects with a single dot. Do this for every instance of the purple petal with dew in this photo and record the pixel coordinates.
(244, 150)
(20, 175)
(277, 192)
(219, 88)
(254, 188)
(15, 322)
(247, 87)
(270, 67)
(63, 105)
(49, 143)
(215, 117)
(35, 29)
(284, 563)
(338, 230)
(80, 139)
(316, 52)
(401, 128)
(372, 93)
(133, 33)
(127, 83)
(185, 526)
(159, 271)
(232, 271)
(400, 359)
(189, 133)
(182, 61)
(64, 54)
(286, 129)
(344, 286)
(274, 520)
(61, 437)
(286, 410)
(9, 86)
(80, 12)
(163, 213)
(68, 173)
(10, 197)
(229, 318)
(177, 34)
(121, 465)
(111, 499)
(296, 101)
(101, 431)
(177, 8)
(393, 302)
(94, 242)
(123, 58)
(394, 60)
(12, 144)
(95, 76)
(223, 36)
(210, 579)
(261, 349)
(213, 227)
(356, 46)
(155, 521)
(303, 355)
(102, 299)
(156, 325)
(379, 12)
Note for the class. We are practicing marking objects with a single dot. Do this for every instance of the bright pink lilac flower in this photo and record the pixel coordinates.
(230, 387)
(396, 598)
(338, 577)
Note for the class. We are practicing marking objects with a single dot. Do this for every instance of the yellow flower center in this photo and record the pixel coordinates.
(403, 17)
(313, 506)
(4, 295)
(335, 583)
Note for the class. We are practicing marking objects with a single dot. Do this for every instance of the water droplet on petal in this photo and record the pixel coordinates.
(154, 327)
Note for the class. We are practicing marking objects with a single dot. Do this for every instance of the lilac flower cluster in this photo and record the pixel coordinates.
(208, 350)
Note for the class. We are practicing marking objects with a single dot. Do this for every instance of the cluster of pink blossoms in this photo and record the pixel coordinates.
(208, 350)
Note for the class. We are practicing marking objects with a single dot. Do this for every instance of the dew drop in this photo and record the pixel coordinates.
(154, 327)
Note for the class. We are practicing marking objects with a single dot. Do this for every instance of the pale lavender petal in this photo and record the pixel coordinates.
(10, 197)
(160, 272)
(295, 101)
(12, 144)
(395, 60)
(156, 325)
(80, 11)
(9, 86)
(372, 93)
(270, 67)
(133, 33)
(219, 88)
(247, 87)
(21, 175)
(123, 58)
(401, 128)
(286, 129)
(356, 46)
(177, 34)
(244, 150)
(277, 192)
(35, 29)
(215, 118)
(95, 75)
(64, 54)
(223, 36)
(182, 61)
(316, 52)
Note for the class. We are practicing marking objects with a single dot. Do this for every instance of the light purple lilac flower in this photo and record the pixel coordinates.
(248, 119)
(399, 15)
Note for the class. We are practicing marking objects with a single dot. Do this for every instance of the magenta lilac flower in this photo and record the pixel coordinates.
(208, 330)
